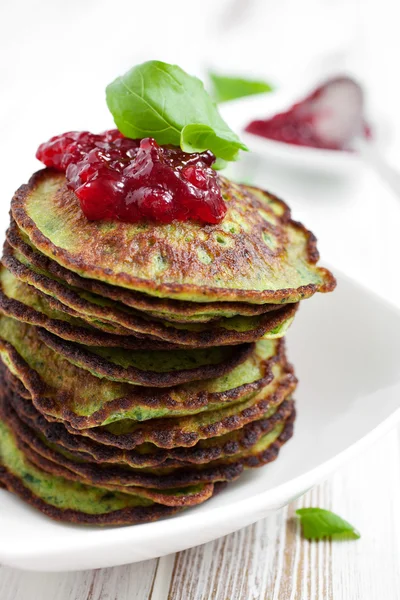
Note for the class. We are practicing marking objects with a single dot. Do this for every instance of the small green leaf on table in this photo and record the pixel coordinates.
(318, 523)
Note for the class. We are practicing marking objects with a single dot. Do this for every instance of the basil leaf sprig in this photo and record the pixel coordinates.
(318, 523)
(159, 100)
(226, 88)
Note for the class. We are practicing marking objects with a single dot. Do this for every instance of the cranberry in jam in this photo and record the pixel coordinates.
(329, 118)
(119, 178)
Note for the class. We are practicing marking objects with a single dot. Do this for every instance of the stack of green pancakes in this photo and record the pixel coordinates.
(143, 365)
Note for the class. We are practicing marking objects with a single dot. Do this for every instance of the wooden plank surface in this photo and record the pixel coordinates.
(268, 560)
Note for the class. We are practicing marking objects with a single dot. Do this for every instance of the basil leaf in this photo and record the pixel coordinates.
(219, 164)
(230, 88)
(159, 100)
(318, 523)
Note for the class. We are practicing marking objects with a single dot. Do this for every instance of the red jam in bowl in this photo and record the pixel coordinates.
(329, 118)
(115, 177)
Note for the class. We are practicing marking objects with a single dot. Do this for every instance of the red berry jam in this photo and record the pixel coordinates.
(329, 118)
(119, 178)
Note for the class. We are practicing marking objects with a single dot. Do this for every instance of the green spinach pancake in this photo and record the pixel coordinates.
(257, 254)
(106, 315)
(163, 308)
(71, 393)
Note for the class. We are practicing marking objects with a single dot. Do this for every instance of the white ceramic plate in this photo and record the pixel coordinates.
(346, 349)
(239, 113)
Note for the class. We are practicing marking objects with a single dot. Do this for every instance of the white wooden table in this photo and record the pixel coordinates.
(268, 560)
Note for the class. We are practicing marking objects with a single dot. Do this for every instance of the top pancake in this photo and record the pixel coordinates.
(257, 254)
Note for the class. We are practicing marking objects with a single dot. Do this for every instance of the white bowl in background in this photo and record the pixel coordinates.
(239, 113)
